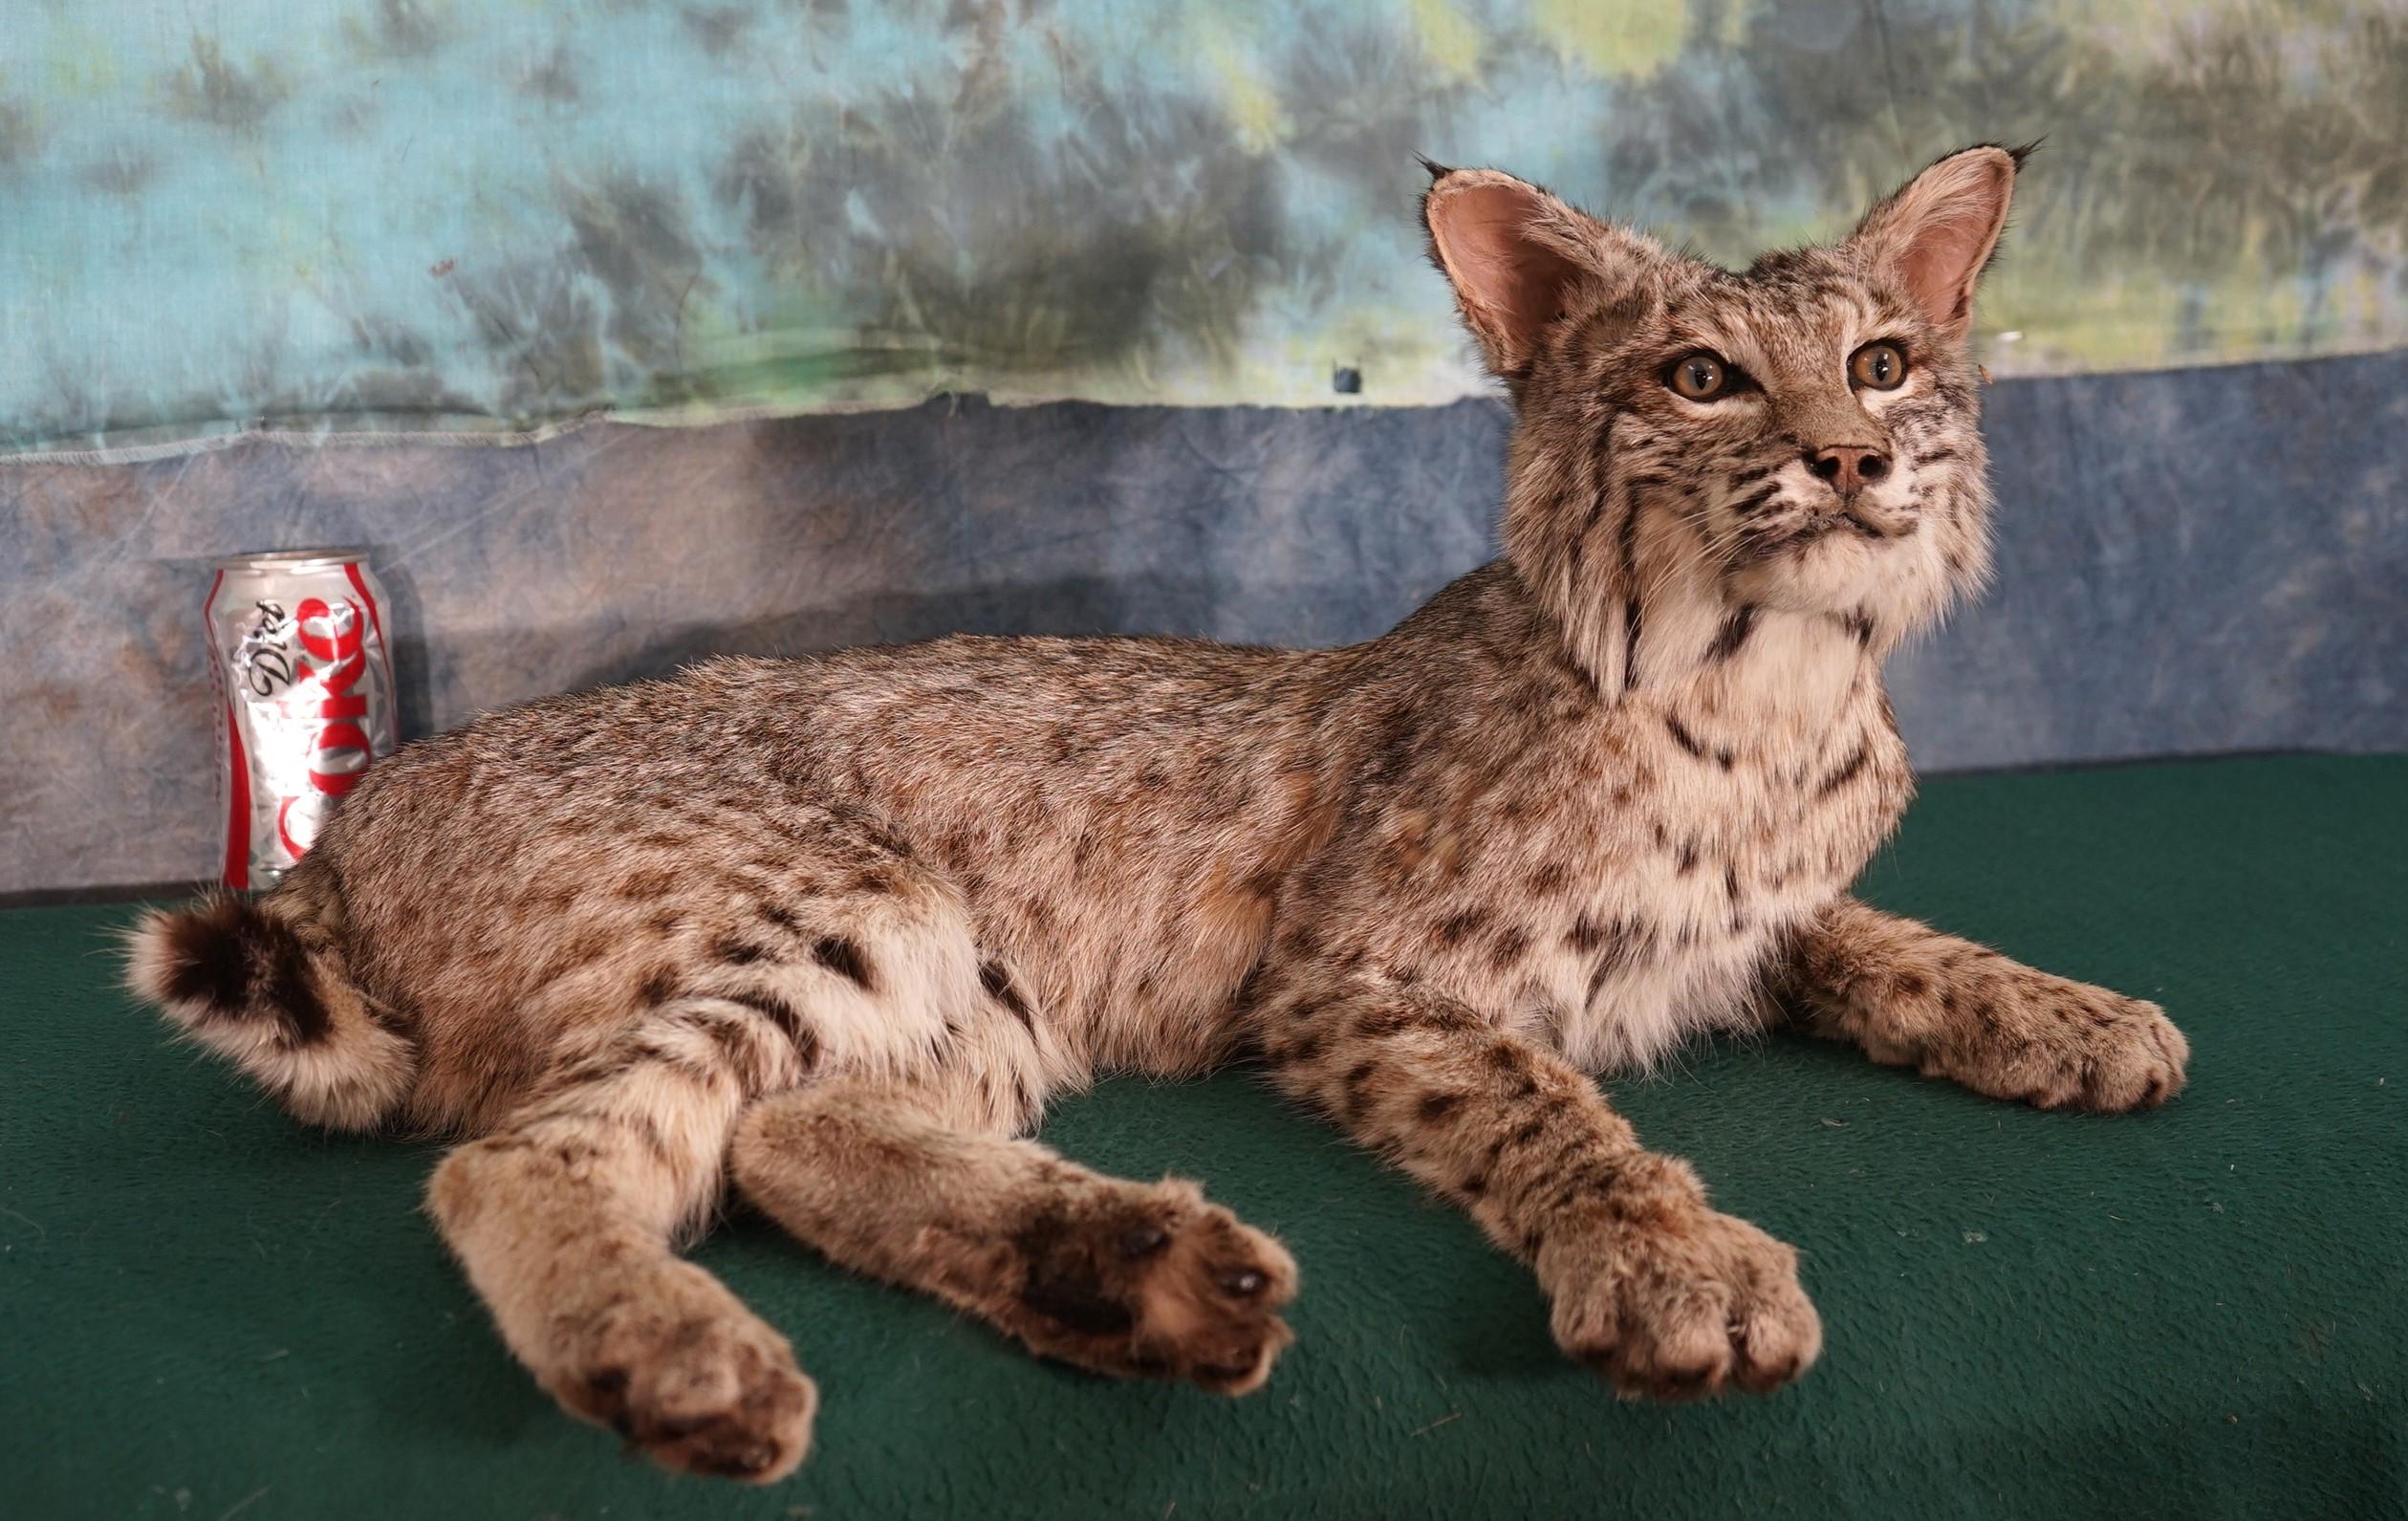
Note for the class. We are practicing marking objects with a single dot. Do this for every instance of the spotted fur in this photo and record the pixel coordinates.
(837, 929)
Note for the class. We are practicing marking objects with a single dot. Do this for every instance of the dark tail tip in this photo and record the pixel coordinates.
(203, 955)
(241, 978)
(223, 961)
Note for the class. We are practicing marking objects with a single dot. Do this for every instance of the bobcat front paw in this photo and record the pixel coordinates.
(2059, 1044)
(1683, 1304)
(690, 1378)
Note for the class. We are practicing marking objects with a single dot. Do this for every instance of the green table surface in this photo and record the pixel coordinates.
(208, 1312)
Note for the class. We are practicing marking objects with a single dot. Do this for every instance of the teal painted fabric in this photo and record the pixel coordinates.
(488, 216)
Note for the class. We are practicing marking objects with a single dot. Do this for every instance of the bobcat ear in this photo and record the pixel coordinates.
(1939, 229)
(1516, 255)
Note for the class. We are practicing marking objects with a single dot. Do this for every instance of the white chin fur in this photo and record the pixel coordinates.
(1840, 571)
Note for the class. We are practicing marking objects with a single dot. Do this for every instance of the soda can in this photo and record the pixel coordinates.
(305, 700)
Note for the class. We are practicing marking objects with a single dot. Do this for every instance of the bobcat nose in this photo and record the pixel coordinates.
(1849, 467)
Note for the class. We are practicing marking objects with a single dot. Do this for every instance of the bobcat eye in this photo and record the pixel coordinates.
(1700, 377)
(1879, 365)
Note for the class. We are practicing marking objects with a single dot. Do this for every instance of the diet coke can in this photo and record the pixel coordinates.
(304, 682)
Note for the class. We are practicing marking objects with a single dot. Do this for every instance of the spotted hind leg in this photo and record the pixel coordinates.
(565, 1220)
(925, 1188)
(841, 955)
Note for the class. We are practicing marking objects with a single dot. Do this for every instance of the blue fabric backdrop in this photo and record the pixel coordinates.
(2190, 561)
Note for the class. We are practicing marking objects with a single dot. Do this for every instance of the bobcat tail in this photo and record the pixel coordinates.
(253, 980)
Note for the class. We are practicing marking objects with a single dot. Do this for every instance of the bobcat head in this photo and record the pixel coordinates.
(1695, 444)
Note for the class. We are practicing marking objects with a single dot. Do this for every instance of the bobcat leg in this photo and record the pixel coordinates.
(1658, 1292)
(1118, 1277)
(564, 1221)
(1914, 997)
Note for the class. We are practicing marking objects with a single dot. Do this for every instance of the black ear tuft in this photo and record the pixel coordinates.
(2019, 155)
(1436, 171)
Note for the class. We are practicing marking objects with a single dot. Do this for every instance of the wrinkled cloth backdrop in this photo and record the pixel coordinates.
(238, 237)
